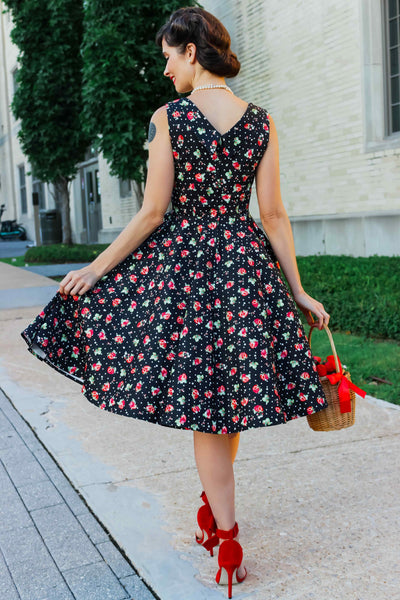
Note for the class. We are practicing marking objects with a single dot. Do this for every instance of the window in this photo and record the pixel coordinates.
(38, 186)
(392, 43)
(125, 189)
(22, 189)
(380, 54)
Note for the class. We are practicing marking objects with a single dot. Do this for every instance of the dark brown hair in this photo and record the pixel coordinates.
(196, 25)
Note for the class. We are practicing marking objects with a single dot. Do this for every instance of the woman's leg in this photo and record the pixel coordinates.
(234, 439)
(214, 454)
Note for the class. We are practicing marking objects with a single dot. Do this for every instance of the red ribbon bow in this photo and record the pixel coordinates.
(328, 369)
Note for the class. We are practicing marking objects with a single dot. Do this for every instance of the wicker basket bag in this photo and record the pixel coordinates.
(339, 391)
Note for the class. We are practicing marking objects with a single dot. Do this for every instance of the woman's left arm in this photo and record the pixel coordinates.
(157, 196)
(277, 226)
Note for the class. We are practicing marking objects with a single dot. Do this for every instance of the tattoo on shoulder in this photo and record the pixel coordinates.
(152, 131)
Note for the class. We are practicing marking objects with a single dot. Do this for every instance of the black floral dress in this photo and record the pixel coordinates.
(195, 329)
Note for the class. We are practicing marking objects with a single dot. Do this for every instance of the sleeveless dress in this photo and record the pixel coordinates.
(195, 329)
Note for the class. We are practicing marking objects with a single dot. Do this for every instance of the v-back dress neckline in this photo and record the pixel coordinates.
(234, 126)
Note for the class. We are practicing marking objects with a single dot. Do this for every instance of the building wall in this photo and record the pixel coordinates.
(307, 64)
(317, 67)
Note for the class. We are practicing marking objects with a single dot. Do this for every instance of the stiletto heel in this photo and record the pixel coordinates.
(207, 524)
(230, 557)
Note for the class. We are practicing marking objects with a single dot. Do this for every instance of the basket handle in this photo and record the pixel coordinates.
(315, 324)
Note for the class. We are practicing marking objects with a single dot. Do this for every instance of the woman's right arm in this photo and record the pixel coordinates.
(277, 226)
(157, 196)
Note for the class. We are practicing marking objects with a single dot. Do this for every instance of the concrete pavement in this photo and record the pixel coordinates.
(318, 512)
(9, 248)
(51, 546)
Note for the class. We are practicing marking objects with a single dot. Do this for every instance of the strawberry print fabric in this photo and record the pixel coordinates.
(195, 329)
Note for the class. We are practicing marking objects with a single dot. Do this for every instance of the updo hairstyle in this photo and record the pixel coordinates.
(196, 25)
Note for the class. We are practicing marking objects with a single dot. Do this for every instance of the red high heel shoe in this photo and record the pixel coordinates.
(207, 524)
(230, 557)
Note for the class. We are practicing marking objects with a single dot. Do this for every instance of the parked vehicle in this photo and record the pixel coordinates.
(10, 230)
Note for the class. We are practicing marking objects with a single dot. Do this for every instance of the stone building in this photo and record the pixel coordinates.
(328, 72)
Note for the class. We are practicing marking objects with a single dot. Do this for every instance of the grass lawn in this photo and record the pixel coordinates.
(19, 261)
(363, 357)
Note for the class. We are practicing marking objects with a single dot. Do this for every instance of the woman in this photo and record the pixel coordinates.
(190, 324)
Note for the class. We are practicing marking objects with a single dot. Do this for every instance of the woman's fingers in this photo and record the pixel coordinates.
(78, 282)
(309, 305)
(72, 284)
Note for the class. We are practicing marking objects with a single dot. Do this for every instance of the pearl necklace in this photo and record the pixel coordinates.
(212, 85)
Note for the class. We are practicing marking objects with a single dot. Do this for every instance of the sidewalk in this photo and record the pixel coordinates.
(51, 546)
(318, 512)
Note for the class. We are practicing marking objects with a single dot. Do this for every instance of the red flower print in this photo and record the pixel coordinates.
(138, 330)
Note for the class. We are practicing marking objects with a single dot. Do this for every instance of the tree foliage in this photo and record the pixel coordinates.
(48, 100)
(123, 78)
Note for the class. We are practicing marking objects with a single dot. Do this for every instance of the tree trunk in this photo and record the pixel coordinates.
(139, 194)
(62, 191)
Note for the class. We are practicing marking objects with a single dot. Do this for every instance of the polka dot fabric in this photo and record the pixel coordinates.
(195, 329)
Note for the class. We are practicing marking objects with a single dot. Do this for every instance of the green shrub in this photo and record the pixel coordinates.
(361, 294)
(62, 253)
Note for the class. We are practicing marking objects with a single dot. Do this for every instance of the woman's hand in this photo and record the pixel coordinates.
(79, 282)
(308, 305)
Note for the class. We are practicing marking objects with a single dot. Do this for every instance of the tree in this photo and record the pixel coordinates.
(48, 100)
(123, 80)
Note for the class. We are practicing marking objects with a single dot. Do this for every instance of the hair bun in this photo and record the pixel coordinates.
(212, 40)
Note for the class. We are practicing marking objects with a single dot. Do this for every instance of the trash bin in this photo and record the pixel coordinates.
(50, 226)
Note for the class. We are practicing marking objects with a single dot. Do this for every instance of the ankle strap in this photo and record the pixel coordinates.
(228, 534)
(204, 497)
